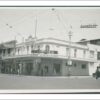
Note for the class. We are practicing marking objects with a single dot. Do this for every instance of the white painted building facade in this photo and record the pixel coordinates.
(52, 55)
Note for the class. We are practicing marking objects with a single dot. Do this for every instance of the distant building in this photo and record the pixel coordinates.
(50, 57)
(92, 41)
(95, 43)
(6, 49)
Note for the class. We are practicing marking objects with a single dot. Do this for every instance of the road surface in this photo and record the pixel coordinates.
(36, 82)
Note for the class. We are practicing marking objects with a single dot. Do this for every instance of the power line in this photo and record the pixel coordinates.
(59, 18)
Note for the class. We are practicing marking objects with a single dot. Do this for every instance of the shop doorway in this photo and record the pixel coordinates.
(57, 69)
(29, 68)
(43, 70)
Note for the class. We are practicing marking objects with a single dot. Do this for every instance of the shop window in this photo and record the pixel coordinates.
(83, 66)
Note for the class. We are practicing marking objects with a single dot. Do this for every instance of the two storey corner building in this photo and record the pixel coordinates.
(49, 57)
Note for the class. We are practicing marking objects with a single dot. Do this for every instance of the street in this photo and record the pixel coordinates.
(37, 82)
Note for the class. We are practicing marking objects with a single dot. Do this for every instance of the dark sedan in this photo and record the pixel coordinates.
(97, 73)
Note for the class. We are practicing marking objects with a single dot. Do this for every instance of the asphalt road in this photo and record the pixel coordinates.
(37, 82)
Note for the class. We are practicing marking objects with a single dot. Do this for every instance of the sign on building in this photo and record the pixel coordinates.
(89, 26)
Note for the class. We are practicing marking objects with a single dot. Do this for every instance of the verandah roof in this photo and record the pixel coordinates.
(47, 56)
(10, 44)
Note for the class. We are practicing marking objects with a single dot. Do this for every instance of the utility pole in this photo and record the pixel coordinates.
(35, 32)
(36, 27)
(14, 60)
(35, 38)
(69, 35)
(69, 56)
(15, 53)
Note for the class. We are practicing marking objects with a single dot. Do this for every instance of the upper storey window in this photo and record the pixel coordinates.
(27, 49)
(38, 47)
(18, 50)
(91, 54)
(31, 47)
(98, 55)
(67, 51)
(75, 52)
(84, 53)
(8, 51)
(47, 49)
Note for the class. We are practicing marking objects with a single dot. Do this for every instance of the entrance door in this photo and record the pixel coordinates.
(57, 69)
(45, 70)
(29, 68)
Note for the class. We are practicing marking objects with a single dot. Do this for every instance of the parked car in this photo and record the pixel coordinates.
(97, 73)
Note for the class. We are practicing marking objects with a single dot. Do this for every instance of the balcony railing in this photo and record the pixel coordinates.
(49, 55)
(45, 52)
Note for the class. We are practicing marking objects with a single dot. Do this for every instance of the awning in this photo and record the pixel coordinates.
(48, 56)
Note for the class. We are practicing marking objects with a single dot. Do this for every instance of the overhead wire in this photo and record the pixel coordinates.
(59, 17)
(12, 24)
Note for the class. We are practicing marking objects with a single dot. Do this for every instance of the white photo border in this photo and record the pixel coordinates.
(51, 3)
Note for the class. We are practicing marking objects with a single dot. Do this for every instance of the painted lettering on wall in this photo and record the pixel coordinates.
(89, 26)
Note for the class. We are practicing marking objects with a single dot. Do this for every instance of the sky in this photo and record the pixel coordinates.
(55, 22)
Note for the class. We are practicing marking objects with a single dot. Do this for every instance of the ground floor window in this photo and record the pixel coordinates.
(83, 66)
(7, 67)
